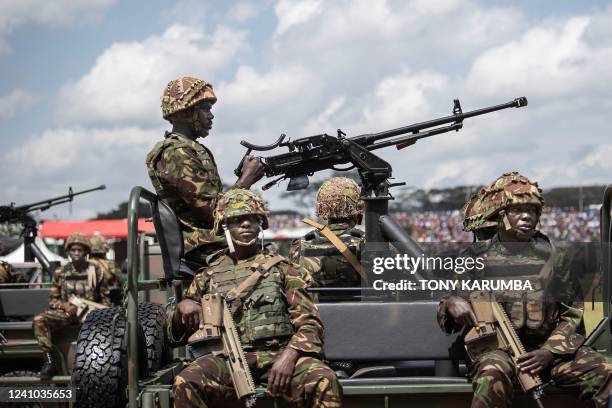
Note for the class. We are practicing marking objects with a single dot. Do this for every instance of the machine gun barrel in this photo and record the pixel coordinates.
(457, 117)
(45, 204)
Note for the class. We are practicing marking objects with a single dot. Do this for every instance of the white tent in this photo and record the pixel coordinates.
(17, 256)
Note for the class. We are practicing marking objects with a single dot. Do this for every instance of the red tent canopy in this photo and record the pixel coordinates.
(108, 228)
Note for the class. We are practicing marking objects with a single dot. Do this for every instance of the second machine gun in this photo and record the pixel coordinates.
(21, 215)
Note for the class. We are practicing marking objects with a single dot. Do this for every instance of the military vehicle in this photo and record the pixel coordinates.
(402, 357)
(28, 295)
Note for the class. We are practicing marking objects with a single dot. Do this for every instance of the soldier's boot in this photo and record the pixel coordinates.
(50, 367)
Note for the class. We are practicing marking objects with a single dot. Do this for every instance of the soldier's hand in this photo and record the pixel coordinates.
(461, 311)
(189, 314)
(535, 361)
(252, 171)
(279, 376)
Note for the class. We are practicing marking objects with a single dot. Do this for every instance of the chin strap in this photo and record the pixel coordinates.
(505, 220)
(230, 241)
(244, 244)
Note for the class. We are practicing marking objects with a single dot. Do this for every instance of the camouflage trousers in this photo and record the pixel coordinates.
(47, 322)
(586, 373)
(207, 381)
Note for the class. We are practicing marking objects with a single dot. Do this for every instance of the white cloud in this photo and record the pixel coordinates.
(551, 61)
(283, 95)
(292, 13)
(593, 167)
(16, 101)
(47, 163)
(243, 11)
(402, 95)
(127, 80)
(384, 33)
(56, 13)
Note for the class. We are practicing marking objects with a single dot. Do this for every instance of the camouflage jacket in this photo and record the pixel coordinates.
(112, 274)
(185, 176)
(561, 329)
(321, 258)
(302, 312)
(88, 283)
(6, 275)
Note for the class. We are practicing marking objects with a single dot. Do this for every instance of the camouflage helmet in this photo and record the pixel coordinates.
(98, 244)
(338, 197)
(473, 214)
(509, 189)
(77, 238)
(183, 93)
(237, 202)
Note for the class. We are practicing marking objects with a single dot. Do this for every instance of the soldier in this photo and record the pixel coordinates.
(97, 256)
(78, 277)
(277, 320)
(332, 252)
(546, 318)
(183, 171)
(6, 274)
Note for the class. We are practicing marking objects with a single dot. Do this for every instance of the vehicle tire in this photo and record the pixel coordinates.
(100, 366)
(152, 319)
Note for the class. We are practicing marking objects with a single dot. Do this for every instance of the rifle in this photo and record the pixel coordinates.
(218, 335)
(495, 331)
(20, 214)
(320, 152)
(84, 306)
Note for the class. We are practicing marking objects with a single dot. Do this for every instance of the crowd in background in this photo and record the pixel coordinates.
(437, 226)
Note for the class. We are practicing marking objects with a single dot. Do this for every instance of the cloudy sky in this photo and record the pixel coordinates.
(81, 81)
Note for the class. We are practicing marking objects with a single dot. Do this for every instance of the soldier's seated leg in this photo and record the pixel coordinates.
(43, 325)
(588, 372)
(204, 382)
(493, 376)
(314, 384)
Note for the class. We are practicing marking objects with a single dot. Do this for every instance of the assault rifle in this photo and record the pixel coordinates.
(84, 306)
(21, 215)
(495, 332)
(218, 335)
(320, 152)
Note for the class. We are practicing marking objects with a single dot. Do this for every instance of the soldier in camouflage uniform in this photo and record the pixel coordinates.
(80, 278)
(277, 321)
(6, 275)
(339, 205)
(547, 318)
(97, 256)
(184, 172)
